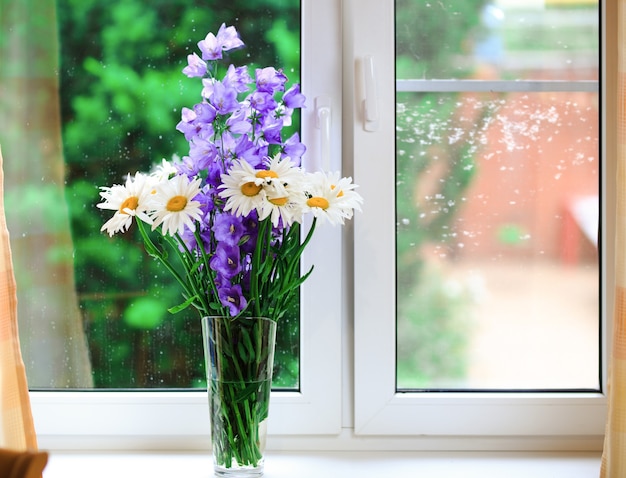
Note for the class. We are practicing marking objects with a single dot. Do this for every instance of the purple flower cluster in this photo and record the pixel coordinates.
(240, 118)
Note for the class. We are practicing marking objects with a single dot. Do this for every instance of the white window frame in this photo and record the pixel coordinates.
(347, 398)
(179, 419)
(500, 420)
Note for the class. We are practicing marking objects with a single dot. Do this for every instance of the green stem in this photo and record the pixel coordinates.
(154, 251)
(189, 263)
(241, 409)
(257, 258)
(205, 260)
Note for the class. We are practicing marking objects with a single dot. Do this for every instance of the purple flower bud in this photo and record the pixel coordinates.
(294, 148)
(210, 48)
(245, 149)
(226, 261)
(187, 166)
(202, 152)
(262, 101)
(205, 113)
(271, 130)
(270, 80)
(232, 297)
(224, 99)
(228, 229)
(213, 46)
(191, 127)
(238, 122)
(196, 67)
(237, 78)
(293, 98)
(229, 38)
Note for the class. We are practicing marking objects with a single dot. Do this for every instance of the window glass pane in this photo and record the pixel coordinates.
(511, 39)
(498, 196)
(121, 94)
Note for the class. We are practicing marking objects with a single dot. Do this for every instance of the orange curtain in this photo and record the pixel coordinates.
(16, 423)
(614, 454)
(31, 143)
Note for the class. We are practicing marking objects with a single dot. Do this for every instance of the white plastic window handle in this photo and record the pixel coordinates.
(323, 120)
(370, 107)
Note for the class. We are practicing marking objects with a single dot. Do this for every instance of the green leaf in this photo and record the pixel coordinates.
(183, 306)
(242, 352)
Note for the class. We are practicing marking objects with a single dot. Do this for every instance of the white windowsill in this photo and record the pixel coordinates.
(332, 464)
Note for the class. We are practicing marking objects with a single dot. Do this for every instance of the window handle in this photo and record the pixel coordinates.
(370, 107)
(322, 108)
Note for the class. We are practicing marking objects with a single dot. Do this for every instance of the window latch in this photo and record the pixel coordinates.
(322, 108)
(370, 106)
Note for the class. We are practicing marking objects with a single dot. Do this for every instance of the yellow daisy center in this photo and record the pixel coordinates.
(340, 193)
(176, 204)
(129, 203)
(250, 189)
(266, 174)
(317, 201)
(278, 201)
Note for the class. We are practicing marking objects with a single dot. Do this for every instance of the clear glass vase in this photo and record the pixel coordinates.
(239, 357)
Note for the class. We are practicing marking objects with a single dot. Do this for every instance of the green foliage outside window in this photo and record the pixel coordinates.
(122, 91)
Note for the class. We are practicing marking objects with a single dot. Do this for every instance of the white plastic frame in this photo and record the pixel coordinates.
(179, 419)
(379, 410)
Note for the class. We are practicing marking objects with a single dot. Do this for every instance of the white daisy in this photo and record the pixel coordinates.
(281, 204)
(128, 201)
(246, 188)
(282, 183)
(331, 198)
(165, 170)
(281, 173)
(174, 206)
(240, 189)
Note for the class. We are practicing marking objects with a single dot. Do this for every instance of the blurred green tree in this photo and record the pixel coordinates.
(122, 91)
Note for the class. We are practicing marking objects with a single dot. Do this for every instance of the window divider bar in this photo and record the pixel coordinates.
(493, 86)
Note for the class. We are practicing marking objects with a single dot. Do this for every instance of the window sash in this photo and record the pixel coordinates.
(496, 86)
(379, 409)
(65, 419)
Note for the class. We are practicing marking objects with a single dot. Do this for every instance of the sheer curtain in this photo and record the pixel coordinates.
(614, 455)
(53, 346)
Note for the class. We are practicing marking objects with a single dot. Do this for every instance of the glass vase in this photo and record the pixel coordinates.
(239, 357)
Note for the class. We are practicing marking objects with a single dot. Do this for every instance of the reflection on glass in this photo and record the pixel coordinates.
(121, 93)
(507, 39)
(497, 203)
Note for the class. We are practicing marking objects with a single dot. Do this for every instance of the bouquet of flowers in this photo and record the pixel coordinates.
(229, 209)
